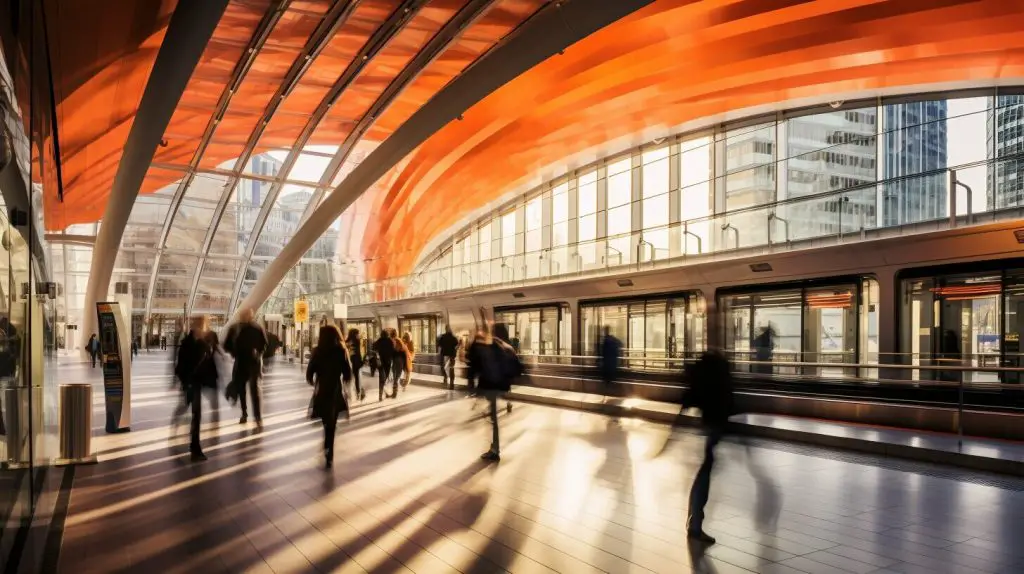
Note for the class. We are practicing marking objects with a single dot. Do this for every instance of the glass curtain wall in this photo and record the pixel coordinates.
(31, 319)
(790, 177)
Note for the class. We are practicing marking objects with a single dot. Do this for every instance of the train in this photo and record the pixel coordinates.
(914, 330)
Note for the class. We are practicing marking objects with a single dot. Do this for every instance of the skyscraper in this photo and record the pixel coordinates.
(1005, 130)
(915, 142)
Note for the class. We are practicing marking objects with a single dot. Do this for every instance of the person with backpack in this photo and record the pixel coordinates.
(710, 389)
(247, 342)
(448, 349)
(493, 365)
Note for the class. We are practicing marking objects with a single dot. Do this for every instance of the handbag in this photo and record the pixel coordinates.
(312, 412)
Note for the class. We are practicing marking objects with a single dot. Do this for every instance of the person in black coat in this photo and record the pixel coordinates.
(328, 368)
(196, 368)
(448, 349)
(493, 365)
(710, 389)
(355, 355)
(384, 347)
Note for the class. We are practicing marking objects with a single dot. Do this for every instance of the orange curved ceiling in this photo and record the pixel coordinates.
(96, 111)
(102, 53)
(677, 61)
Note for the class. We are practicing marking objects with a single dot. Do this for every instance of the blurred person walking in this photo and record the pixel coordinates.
(710, 389)
(611, 351)
(410, 356)
(329, 368)
(196, 369)
(448, 350)
(384, 349)
(93, 346)
(398, 361)
(493, 365)
(355, 355)
(247, 342)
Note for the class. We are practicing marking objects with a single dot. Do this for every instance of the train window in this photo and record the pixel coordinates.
(654, 332)
(532, 331)
(826, 325)
(957, 321)
(830, 329)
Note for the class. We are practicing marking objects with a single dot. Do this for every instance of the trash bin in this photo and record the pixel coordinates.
(17, 427)
(75, 425)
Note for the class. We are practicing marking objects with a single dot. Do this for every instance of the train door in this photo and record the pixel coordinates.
(1013, 324)
(968, 328)
(635, 339)
(677, 329)
(830, 329)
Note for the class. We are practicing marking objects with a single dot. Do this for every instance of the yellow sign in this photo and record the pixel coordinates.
(301, 311)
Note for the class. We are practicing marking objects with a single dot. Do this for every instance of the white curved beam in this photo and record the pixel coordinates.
(189, 30)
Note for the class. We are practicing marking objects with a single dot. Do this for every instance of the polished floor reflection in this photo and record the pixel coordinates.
(575, 492)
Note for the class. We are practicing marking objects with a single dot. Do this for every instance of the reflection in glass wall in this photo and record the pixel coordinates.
(915, 144)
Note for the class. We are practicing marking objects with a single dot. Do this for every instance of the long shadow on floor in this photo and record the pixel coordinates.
(203, 506)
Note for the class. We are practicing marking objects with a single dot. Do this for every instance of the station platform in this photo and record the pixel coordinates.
(991, 455)
(576, 492)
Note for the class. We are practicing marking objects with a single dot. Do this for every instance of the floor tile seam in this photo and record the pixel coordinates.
(841, 557)
(527, 535)
(423, 524)
(367, 541)
(915, 558)
(585, 511)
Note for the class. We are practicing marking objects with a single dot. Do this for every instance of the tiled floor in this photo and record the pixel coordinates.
(575, 492)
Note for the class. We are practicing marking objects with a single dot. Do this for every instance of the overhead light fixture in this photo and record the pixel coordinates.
(760, 267)
(625, 282)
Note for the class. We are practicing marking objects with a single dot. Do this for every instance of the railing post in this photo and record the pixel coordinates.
(960, 412)
(952, 198)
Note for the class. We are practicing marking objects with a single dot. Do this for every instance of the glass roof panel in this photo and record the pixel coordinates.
(309, 168)
(195, 213)
(135, 263)
(267, 163)
(141, 236)
(359, 153)
(283, 220)
(174, 279)
(217, 281)
(150, 209)
(236, 224)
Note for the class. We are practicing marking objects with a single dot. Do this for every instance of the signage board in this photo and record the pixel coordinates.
(114, 348)
(302, 311)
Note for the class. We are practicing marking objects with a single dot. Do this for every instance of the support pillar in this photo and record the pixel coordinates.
(188, 32)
